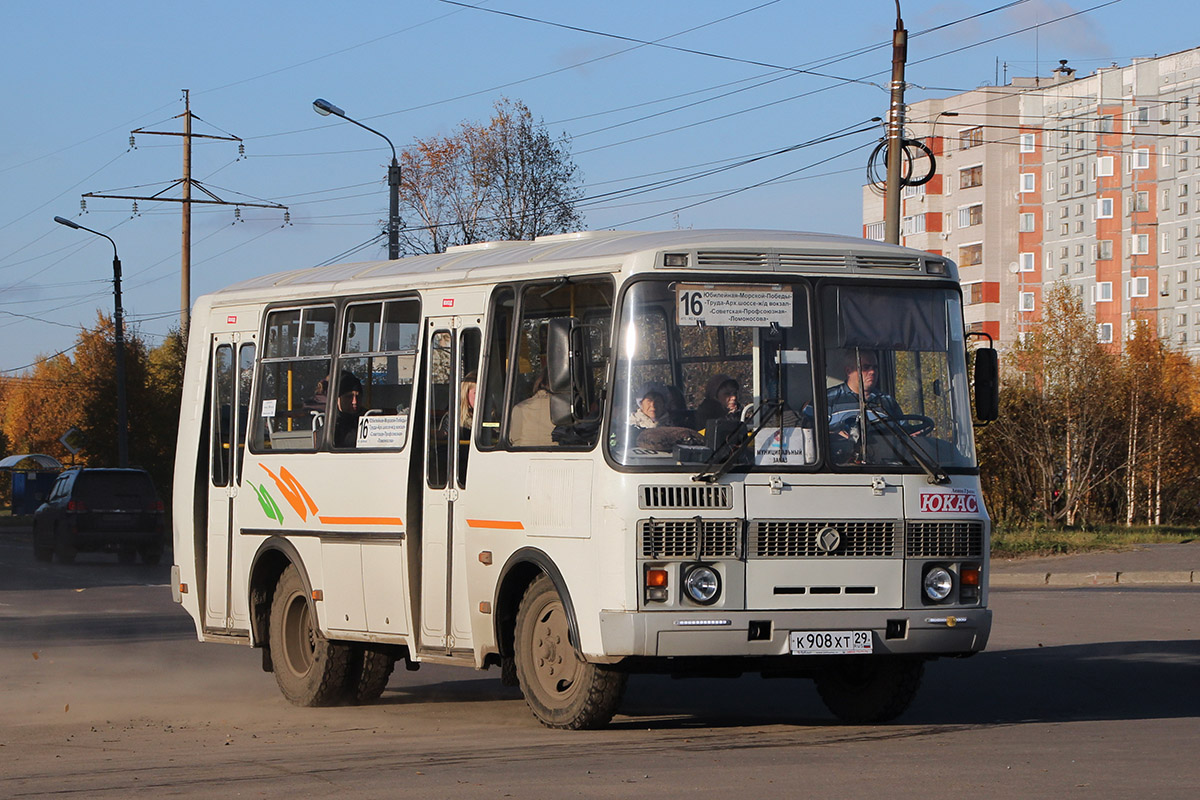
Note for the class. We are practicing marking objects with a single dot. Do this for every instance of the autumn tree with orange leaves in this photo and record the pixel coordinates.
(506, 179)
(79, 390)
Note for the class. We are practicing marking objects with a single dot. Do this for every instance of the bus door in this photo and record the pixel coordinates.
(453, 357)
(232, 364)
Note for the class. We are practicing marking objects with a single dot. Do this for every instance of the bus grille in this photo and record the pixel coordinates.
(944, 539)
(685, 497)
(794, 538)
(690, 538)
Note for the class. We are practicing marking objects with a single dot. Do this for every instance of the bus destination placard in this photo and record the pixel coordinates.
(733, 306)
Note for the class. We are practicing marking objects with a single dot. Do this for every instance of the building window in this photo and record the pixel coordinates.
(1028, 181)
(1183, 207)
(975, 294)
(1104, 166)
(1140, 116)
(970, 177)
(970, 255)
(1027, 301)
(1028, 262)
(1104, 333)
(1183, 165)
(1028, 142)
(1181, 251)
(1102, 292)
(912, 225)
(1140, 244)
(1105, 125)
(875, 231)
(914, 191)
(1139, 287)
(1183, 293)
(1141, 158)
(1104, 208)
(1105, 250)
(1141, 201)
(1166, 243)
(970, 137)
(1027, 223)
(970, 215)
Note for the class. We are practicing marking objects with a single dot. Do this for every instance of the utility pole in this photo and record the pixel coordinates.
(186, 183)
(895, 148)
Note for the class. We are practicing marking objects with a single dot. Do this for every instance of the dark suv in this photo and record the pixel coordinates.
(101, 510)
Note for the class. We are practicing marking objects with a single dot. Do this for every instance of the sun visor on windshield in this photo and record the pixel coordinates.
(890, 319)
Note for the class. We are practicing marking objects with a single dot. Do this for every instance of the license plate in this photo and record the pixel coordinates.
(830, 643)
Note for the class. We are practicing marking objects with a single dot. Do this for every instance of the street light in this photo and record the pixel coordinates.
(325, 108)
(119, 324)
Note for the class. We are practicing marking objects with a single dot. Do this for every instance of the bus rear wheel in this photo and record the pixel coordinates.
(367, 674)
(561, 689)
(310, 669)
(868, 689)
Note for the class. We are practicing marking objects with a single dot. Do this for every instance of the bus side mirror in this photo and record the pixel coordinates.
(987, 384)
(568, 371)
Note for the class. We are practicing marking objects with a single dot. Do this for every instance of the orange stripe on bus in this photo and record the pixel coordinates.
(361, 520)
(499, 524)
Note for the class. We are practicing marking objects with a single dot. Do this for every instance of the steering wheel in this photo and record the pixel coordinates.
(911, 424)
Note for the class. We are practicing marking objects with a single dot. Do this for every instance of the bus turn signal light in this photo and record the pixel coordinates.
(969, 576)
(656, 585)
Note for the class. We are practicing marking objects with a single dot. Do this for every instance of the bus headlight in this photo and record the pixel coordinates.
(702, 584)
(938, 584)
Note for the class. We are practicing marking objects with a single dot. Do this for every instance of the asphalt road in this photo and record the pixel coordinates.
(105, 693)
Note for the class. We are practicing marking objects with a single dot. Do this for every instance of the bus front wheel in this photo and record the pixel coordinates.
(310, 670)
(562, 689)
(867, 689)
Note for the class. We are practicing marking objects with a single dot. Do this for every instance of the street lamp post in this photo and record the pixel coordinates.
(325, 108)
(119, 324)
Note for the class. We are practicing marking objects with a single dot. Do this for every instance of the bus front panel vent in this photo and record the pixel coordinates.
(677, 497)
(690, 538)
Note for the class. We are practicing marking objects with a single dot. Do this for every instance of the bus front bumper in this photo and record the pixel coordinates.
(927, 631)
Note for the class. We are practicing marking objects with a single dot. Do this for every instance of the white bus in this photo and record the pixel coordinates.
(587, 456)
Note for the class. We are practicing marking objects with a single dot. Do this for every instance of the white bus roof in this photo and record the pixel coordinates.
(522, 258)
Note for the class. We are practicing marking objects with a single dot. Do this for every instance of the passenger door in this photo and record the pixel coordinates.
(452, 357)
(232, 365)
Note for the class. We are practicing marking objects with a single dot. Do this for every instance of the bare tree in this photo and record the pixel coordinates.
(506, 179)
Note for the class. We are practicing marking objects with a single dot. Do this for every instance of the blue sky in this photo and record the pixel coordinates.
(82, 75)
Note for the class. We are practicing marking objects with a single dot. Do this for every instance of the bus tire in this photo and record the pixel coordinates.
(367, 674)
(561, 689)
(868, 689)
(310, 669)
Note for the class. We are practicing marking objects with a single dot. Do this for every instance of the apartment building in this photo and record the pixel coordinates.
(1088, 181)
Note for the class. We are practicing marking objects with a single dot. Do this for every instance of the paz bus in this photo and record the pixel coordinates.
(588, 456)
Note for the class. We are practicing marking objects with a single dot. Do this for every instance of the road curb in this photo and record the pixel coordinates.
(1025, 580)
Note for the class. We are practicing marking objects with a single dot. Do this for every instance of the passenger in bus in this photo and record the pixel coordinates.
(349, 409)
(466, 406)
(651, 410)
(530, 424)
(720, 401)
(862, 378)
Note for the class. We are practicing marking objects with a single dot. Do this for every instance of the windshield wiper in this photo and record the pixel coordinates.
(745, 441)
(936, 475)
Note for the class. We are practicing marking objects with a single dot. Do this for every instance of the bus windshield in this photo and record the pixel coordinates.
(750, 376)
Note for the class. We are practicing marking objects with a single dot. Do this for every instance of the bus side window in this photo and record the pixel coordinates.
(296, 359)
(589, 301)
(499, 342)
(379, 352)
